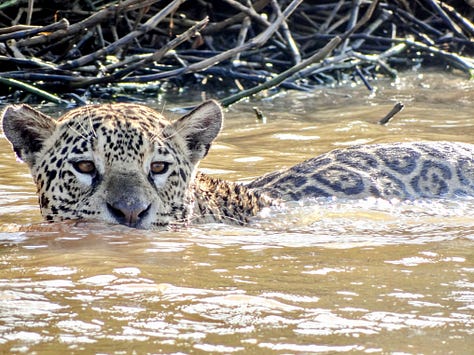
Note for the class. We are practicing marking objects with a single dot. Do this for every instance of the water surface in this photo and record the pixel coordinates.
(366, 276)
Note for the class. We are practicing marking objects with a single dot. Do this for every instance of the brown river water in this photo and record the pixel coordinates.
(365, 276)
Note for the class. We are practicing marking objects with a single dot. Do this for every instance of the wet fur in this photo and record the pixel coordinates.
(124, 140)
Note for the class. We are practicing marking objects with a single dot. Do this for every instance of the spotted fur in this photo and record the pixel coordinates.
(402, 171)
(122, 142)
(127, 164)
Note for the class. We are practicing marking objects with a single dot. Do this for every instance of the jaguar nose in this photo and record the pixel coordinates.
(129, 213)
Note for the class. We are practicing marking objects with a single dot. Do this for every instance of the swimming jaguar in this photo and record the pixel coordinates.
(125, 163)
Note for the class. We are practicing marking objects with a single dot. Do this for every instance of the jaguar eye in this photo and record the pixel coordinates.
(159, 167)
(84, 166)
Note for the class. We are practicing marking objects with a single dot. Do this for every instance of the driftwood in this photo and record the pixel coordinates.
(387, 118)
(88, 49)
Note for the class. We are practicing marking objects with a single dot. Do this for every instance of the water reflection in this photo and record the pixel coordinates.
(221, 291)
(324, 276)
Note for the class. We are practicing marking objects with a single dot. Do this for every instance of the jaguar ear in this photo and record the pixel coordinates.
(200, 127)
(26, 129)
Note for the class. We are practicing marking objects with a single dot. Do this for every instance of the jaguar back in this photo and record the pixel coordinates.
(403, 171)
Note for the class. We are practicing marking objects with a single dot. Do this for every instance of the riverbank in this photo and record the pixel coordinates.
(75, 52)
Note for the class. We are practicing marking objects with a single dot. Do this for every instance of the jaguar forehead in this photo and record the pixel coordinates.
(86, 119)
(117, 131)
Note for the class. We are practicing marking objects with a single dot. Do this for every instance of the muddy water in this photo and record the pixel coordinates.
(345, 277)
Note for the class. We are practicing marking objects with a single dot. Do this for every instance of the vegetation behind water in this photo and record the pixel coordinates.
(70, 52)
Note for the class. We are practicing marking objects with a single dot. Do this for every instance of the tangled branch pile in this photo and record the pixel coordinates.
(86, 48)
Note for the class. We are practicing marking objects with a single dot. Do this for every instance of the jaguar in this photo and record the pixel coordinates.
(125, 163)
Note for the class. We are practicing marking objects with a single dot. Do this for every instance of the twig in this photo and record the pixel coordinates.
(446, 18)
(79, 27)
(217, 27)
(242, 34)
(35, 63)
(342, 57)
(44, 77)
(287, 34)
(60, 25)
(403, 15)
(396, 109)
(157, 56)
(319, 55)
(249, 11)
(68, 57)
(464, 63)
(363, 78)
(29, 12)
(147, 26)
(468, 25)
(368, 14)
(6, 4)
(352, 22)
(34, 90)
(259, 114)
(379, 59)
(331, 17)
(255, 42)
(17, 28)
(257, 78)
(372, 28)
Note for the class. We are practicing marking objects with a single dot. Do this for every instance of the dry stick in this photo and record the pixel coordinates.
(287, 34)
(372, 28)
(43, 77)
(469, 26)
(414, 21)
(29, 13)
(128, 60)
(34, 90)
(134, 24)
(60, 25)
(461, 62)
(219, 26)
(264, 36)
(313, 24)
(380, 58)
(396, 109)
(158, 55)
(368, 14)
(363, 78)
(339, 60)
(377, 58)
(135, 5)
(244, 28)
(339, 23)
(6, 4)
(147, 26)
(78, 27)
(318, 56)
(250, 11)
(330, 18)
(352, 21)
(446, 18)
(255, 42)
(16, 28)
(100, 33)
(151, 58)
(35, 62)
